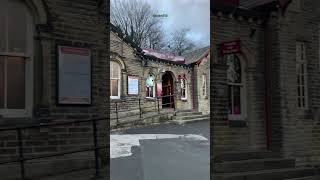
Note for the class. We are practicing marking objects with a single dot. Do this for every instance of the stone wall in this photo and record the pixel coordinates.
(250, 133)
(72, 23)
(300, 127)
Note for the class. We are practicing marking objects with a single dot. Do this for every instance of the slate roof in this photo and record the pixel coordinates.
(251, 4)
(196, 55)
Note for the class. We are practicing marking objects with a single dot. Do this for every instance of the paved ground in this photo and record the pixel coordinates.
(169, 158)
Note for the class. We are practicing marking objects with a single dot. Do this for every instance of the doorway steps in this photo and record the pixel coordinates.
(186, 116)
(259, 166)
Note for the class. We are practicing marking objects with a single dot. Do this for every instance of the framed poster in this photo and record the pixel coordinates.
(74, 75)
(133, 85)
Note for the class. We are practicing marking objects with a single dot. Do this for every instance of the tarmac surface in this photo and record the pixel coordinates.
(168, 158)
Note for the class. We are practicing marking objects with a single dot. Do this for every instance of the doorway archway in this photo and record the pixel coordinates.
(167, 90)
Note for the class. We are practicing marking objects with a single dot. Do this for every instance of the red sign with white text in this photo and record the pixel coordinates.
(230, 47)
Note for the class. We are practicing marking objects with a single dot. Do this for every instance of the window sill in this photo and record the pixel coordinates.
(151, 98)
(184, 100)
(237, 121)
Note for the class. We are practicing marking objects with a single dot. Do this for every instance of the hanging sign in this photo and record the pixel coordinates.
(230, 47)
(74, 75)
(133, 85)
(159, 89)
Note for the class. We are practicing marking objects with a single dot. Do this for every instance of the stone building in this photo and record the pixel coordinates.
(142, 81)
(53, 68)
(265, 78)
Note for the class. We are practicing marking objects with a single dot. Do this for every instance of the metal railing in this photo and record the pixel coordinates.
(155, 105)
(22, 159)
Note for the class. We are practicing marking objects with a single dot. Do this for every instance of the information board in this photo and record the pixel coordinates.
(133, 85)
(74, 75)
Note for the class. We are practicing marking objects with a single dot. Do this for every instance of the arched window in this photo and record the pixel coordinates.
(16, 58)
(150, 86)
(235, 85)
(115, 79)
(183, 83)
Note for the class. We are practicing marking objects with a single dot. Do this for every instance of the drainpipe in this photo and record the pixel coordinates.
(194, 88)
(268, 81)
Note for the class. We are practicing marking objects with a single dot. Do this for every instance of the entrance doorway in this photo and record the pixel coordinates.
(167, 91)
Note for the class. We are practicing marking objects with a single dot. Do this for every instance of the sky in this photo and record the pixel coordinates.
(193, 14)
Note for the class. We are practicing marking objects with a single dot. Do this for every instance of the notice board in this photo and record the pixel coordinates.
(74, 75)
(133, 85)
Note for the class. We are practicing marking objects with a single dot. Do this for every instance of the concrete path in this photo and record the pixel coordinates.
(168, 158)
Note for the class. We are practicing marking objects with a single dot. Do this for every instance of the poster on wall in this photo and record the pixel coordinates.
(133, 85)
(159, 89)
(74, 75)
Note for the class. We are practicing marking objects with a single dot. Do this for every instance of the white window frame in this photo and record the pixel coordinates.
(204, 85)
(319, 47)
(185, 88)
(301, 64)
(119, 80)
(153, 89)
(243, 115)
(28, 56)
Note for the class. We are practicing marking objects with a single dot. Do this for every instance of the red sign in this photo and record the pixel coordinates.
(227, 2)
(230, 47)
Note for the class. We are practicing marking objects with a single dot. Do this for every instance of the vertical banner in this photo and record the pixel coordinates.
(74, 77)
(133, 85)
(159, 89)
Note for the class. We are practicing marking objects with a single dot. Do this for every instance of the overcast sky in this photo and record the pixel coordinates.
(193, 14)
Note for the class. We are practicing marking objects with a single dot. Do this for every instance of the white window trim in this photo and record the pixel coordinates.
(204, 85)
(243, 94)
(185, 88)
(29, 64)
(154, 88)
(119, 82)
(319, 47)
(299, 62)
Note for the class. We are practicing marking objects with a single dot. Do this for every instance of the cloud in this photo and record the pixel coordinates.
(193, 14)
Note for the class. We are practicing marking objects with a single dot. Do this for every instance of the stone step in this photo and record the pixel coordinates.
(190, 117)
(188, 113)
(245, 155)
(306, 178)
(275, 174)
(177, 121)
(253, 165)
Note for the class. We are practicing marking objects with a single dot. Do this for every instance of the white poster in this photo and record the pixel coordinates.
(74, 75)
(133, 85)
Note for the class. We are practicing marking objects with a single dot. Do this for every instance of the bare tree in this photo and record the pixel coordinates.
(136, 19)
(179, 43)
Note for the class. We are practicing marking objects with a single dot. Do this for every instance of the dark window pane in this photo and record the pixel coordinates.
(234, 69)
(151, 91)
(114, 87)
(229, 100)
(1, 82)
(3, 26)
(15, 83)
(236, 100)
(17, 24)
